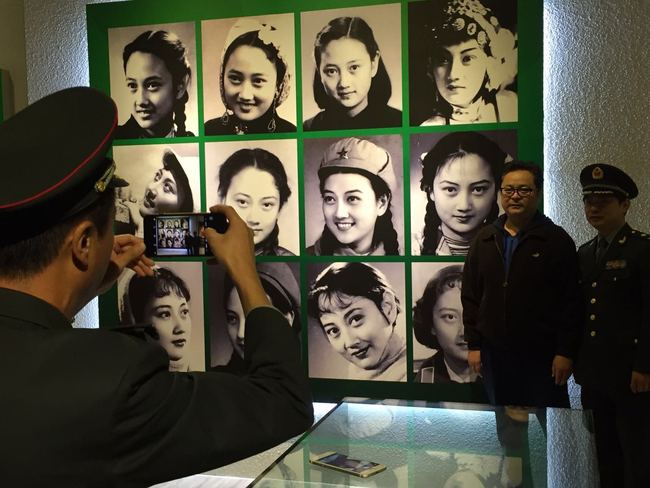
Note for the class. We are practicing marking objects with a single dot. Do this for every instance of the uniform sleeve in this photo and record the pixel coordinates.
(642, 356)
(570, 296)
(471, 294)
(170, 425)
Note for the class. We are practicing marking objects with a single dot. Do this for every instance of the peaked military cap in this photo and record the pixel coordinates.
(361, 155)
(605, 179)
(53, 160)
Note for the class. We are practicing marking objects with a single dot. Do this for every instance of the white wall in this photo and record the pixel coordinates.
(596, 103)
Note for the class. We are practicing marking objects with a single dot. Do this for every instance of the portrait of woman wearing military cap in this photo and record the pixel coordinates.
(359, 181)
(281, 283)
(162, 179)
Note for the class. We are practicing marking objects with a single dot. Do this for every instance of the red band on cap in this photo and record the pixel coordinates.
(69, 175)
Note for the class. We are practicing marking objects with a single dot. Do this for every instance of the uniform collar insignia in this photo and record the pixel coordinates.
(622, 240)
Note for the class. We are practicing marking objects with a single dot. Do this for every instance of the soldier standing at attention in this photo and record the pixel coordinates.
(614, 360)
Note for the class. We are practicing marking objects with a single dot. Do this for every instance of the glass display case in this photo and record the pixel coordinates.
(443, 445)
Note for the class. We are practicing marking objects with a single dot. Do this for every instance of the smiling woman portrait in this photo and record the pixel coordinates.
(357, 184)
(254, 80)
(351, 83)
(358, 310)
(151, 80)
(463, 62)
(352, 61)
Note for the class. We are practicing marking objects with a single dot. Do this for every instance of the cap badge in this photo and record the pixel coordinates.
(343, 154)
(105, 179)
(597, 173)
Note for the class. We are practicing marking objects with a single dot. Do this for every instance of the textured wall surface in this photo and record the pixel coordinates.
(56, 45)
(596, 102)
(57, 58)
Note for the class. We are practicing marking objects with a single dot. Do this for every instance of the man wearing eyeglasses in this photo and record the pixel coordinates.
(613, 364)
(521, 299)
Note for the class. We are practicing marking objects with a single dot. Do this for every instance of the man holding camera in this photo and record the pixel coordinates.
(97, 407)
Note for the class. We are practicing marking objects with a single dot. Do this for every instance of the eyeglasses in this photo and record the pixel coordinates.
(522, 191)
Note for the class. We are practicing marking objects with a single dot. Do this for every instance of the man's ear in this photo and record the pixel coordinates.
(389, 307)
(626, 205)
(81, 239)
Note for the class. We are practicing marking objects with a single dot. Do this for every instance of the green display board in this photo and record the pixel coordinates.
(362, 141)
(3, 96)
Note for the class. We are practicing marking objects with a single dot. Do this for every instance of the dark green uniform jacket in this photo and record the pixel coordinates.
(616, 336)
(96, 408)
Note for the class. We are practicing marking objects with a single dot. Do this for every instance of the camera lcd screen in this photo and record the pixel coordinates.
(179, 234)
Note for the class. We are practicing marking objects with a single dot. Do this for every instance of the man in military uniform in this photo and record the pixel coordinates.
(95, 407)
(614, 360)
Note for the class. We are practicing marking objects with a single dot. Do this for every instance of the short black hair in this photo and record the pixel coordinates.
(28, 257)
(532, 168)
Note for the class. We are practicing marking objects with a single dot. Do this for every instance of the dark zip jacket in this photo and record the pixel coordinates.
(536, 306)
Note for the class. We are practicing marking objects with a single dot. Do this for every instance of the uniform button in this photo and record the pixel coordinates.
(592, 317)
(636, 341)
(593, 300)
(593, 333)
(594, 284)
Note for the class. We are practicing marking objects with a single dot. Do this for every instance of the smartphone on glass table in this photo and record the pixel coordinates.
(341, 462)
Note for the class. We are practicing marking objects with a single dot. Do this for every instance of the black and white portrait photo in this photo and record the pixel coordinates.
(227, 318)
(152, 77)
(439, 346)
(356, 321)
(171, 301)
(248, 75)
(259, 180)
(455, 180)
(462, 61)
(354, 196)
(351, 59)
(162, 179)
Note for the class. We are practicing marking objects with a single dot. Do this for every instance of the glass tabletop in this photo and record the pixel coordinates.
(444, 445)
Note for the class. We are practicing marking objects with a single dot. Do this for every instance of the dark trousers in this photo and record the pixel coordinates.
(622, 431)
(521, 377)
